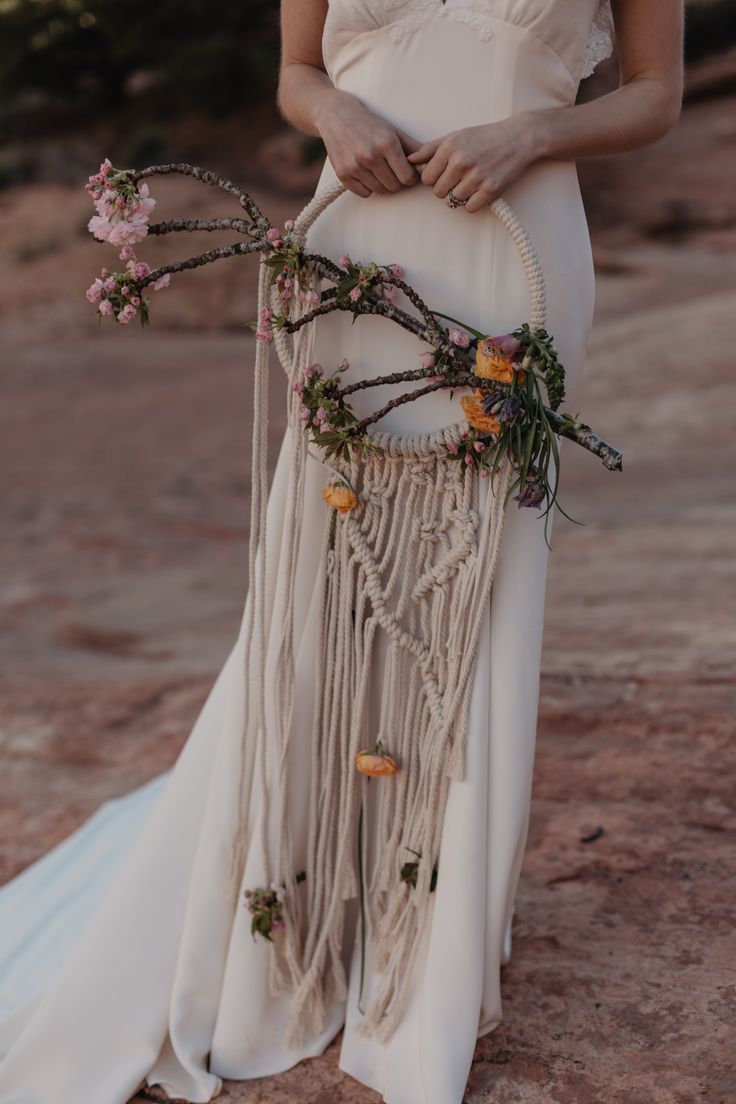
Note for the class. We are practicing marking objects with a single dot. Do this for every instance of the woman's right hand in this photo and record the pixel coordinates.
(367, 152)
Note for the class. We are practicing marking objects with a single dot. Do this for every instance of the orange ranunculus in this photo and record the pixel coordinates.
(376, 764)
(341, 497)
(493, 362)
(475, 414)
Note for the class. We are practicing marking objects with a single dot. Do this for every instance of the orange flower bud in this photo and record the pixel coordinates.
(376, 764)
(475, 414)
(341, 497)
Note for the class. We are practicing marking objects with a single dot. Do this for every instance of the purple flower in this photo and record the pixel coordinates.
(532, 494)
(508, 344)
(510, 410)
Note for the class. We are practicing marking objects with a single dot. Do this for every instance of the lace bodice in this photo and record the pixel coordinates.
(580, 32)
(600, 38)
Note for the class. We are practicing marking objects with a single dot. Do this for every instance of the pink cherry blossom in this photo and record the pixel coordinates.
(140, 270)
(273, 234)
(396, 271)
(127, 233)
(127, 314)
(355, 294)
(162, 282)
(99, 227)
(389, 292)
(264, 336)
(105, 307)
(304, 413)
(127, 254)
(452, 447)
(344, 260)
(459, 337)
(298, 387)
(427, 360)
(95, 291)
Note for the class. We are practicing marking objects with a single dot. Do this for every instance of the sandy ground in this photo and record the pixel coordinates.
(126, 465)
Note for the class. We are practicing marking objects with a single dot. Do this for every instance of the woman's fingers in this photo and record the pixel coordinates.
(408, 143)
(404, 172)
(449, 178)
(424, 152)
(356, 186)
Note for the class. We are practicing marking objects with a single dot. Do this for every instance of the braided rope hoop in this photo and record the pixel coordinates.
(419, 445)
(416, 446)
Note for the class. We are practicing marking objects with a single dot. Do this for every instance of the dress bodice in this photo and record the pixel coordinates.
(578, 32)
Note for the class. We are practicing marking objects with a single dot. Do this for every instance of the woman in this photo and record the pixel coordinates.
(428, 111)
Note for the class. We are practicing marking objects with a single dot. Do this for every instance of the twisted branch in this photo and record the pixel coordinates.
(260, 221)
(174, 225)
(235, 250)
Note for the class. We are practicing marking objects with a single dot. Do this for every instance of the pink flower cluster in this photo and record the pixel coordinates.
(119, 294)
(264, 332)
(369, 278)
(122, 207)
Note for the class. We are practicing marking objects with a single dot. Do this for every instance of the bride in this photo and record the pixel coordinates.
(126, 964)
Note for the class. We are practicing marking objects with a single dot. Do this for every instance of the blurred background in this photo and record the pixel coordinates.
(124, 514)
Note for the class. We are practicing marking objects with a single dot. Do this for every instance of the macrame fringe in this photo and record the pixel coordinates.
(414, 560)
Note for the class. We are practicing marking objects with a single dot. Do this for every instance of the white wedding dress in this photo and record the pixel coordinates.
(120, 963)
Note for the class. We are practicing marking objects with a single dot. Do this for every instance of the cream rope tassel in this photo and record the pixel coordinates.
(415, 560)
(254, 662)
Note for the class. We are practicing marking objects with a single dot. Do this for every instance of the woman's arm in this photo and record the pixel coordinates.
(367, 153)
(479, 163)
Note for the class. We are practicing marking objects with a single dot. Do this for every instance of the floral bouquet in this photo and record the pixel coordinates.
(506, 412)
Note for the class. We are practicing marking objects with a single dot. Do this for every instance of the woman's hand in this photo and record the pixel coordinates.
(367, 152)
(477, 162)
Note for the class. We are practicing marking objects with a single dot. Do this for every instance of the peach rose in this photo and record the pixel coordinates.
(341, 497)
(475, 414)
(493, 361)
(376, 764)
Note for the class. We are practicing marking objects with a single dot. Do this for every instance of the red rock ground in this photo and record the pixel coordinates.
(123, 570)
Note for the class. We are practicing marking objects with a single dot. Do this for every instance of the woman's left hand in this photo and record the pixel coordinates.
(477, 162)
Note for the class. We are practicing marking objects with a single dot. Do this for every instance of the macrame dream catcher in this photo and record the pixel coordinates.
(413, 529)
